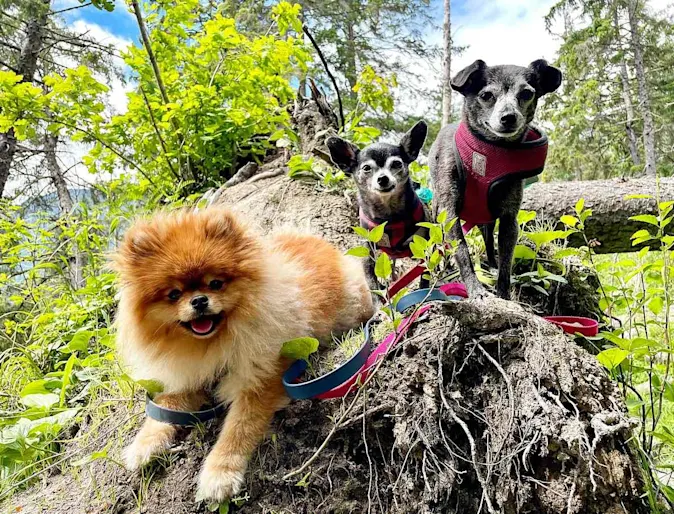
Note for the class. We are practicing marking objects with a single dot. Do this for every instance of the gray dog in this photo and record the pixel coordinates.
(385, 190)
(478, 167)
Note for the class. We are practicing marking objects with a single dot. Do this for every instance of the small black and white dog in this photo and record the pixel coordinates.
(478, 167)
(385, 190)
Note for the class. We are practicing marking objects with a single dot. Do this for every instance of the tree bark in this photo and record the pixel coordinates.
(627, 97)
(66, 204)
(447, 65)
(609, 223)
(26, 68)
(644, 99)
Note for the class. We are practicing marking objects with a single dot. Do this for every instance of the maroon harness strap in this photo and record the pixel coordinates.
(397, 232)
(485, 163)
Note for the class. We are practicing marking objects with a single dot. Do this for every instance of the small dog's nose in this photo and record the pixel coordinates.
(508, 120)
(383, 180)
(200, 302)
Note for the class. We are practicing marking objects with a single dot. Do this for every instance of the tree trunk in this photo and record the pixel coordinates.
(66, 204)
(26, 68)
(447, 65)
(644, 99)
(609, 223)
(627, 97)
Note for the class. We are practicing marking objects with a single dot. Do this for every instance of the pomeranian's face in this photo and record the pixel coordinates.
(186, 273)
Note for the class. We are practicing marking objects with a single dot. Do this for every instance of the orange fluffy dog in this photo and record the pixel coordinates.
(205, 301)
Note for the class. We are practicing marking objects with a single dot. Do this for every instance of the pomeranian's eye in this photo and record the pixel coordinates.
(486, 96)
(526, 95)
(175, 294)
(396, 165)
(215, 284)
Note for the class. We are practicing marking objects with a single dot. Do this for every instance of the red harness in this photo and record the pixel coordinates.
(398, 230)
(484, 164)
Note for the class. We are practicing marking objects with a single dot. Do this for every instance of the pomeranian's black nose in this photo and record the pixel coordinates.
(199, 302)
(383, 181)
(508, 120)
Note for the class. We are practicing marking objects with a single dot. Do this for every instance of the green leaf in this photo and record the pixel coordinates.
(435, 235)
(656, 304)
(67, 373)
(442, 217)
(524, 217)
(300, 348)
(382, 268)
(79, 342)
(570, 221)
(542, 238)
(224, 508)
(434, 261)
(43, 401)
(565, 252)
(646, 218)
(151, 386)
(362, 232)
(612, 358)
(376, 233)
(637, 197)
(359, 251)
(580, 205)
(524, 252)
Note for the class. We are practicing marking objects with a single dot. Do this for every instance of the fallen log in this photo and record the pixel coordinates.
(611, 209)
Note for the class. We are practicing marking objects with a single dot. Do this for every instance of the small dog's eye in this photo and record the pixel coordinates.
(526, 95)
(396, 165)
(215, 284)
(486, 96)
(366, 168)
(175, 294)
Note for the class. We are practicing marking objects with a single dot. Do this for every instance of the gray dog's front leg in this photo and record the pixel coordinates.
(488, 237)
(507, 239)
(465, 263)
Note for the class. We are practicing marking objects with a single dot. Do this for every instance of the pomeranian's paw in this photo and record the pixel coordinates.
(220, 482)
(146, 445)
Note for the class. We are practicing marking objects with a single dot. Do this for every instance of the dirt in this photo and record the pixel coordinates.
(483, 404)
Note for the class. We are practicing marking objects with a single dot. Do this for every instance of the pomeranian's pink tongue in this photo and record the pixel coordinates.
(202, 325)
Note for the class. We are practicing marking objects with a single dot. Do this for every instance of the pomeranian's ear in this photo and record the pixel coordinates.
(220, 224)
(343, 154)
(413, 141)
(139, 241)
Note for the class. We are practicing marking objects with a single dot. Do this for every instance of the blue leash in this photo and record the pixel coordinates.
(338, 376)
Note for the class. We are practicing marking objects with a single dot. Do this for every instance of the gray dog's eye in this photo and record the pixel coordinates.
(396, 165)
(366, 168)
(526, 95)
(486, 96)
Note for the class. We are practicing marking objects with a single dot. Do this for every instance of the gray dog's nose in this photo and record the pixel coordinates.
(199, 302)
(508, 120)
(383, 180)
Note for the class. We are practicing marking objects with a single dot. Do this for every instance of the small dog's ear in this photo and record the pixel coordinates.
(413, 141)
(470, 79)
(343, 154)
(547, 78)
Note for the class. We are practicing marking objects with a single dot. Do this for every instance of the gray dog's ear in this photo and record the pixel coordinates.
(547, 78)
(343, 154)
(413, 141)
(470, 79)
